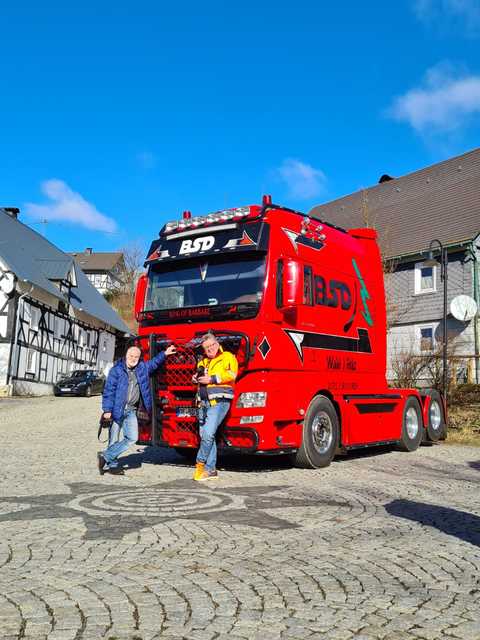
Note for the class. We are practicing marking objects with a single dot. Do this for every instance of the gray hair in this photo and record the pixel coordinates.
(133, 346)
(208, 336)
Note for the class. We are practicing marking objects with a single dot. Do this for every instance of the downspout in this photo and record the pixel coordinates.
(475, 320)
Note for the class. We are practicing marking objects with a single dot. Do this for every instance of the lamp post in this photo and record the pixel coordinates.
(433, 262)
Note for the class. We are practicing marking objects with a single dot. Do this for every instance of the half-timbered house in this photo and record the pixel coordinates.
(52, 319)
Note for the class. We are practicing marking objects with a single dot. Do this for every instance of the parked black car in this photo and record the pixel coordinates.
(80, 383)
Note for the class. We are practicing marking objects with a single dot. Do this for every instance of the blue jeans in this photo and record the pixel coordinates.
(210, 419)
(113, 434)
(129, 425)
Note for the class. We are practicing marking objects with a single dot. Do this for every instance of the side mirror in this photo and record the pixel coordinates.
(140, 295)
(292, 284)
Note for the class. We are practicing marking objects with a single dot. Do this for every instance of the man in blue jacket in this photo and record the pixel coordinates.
(127, 383)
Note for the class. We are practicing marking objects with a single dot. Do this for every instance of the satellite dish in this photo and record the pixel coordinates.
(7, 282)
(463, 308)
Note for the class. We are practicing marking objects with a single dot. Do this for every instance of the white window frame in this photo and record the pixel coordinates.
(418, 279)
(31, 363)
(34, 317)
(434, 342)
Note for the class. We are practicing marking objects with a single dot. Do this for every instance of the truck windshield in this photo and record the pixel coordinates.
(215, 280)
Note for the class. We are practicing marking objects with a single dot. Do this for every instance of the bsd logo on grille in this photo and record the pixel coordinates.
(199, 244)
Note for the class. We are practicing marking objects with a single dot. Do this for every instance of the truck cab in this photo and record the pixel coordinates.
(301, 304)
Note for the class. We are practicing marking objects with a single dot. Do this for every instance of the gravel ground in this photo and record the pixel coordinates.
(380, 545)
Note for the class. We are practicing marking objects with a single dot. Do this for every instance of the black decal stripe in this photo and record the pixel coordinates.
(372, 396)
(303, 340)
(378, 407)
(339, 343)
(310, 242)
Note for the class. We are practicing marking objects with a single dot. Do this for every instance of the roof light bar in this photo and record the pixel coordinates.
(193, 232)
(211, 218)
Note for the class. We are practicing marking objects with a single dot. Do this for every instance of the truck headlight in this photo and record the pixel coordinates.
(252, 399)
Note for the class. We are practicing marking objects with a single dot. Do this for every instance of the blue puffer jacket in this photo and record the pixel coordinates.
(116, 387)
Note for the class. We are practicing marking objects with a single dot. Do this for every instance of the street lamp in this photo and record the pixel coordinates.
(433, 262)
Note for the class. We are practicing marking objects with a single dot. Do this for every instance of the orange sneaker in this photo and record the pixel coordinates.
(199, 470)
(207, 475)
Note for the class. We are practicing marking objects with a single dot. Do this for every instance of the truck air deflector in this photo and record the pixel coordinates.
(236, 238)
(307, 340)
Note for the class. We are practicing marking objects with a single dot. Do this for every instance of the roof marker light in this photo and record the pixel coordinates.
(187, 215)
(266, 200)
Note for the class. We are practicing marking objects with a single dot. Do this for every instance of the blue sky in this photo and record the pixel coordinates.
(115, 117)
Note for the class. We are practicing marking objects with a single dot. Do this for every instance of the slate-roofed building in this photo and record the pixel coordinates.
(439, 202)
(103, 269)
(52, 320)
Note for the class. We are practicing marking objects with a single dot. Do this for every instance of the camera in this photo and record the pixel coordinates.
(200, 371)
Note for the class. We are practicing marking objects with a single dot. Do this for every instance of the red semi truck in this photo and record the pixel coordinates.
(301, 303)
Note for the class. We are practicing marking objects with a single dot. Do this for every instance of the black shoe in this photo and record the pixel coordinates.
(101, 462)
(116, 471)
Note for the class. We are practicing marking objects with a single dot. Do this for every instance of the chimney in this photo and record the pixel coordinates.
(89, 250)
(385, 178)
(12, 211)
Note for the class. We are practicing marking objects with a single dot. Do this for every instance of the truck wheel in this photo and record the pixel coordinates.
(320, 435)
(412, 426)
(436, 425)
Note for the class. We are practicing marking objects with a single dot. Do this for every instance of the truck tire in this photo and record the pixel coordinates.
(320, 435)
(436, 424)
(412, 425)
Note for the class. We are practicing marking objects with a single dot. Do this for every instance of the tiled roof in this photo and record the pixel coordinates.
(441, 202)
(34, 259)
(101, 261)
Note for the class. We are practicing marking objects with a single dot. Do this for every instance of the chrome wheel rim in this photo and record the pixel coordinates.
(411, 423)
(435, 415)
(322, 432)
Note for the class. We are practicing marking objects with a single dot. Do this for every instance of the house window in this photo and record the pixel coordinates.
(425, 278)
(31, 361)
(34, 318)
(426, 339)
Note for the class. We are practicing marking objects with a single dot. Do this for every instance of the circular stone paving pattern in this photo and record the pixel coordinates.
(155, 502)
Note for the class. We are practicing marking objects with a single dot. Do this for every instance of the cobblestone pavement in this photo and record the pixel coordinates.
(379, 545)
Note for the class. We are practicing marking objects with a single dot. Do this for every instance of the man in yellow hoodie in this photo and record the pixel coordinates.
(215, 377)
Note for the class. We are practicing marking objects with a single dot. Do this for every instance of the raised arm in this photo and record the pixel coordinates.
(159, 359)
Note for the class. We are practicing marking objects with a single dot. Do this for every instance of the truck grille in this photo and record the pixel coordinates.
(178, 369)
(176, 422)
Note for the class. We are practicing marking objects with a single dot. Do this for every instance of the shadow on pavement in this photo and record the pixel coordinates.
(474, 465)
(461, 524)
(241, 463)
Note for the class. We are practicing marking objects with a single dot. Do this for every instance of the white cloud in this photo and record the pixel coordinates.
(446, 101)
(303, 180)
(69, 206)
(450, 13)
(147, 160)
